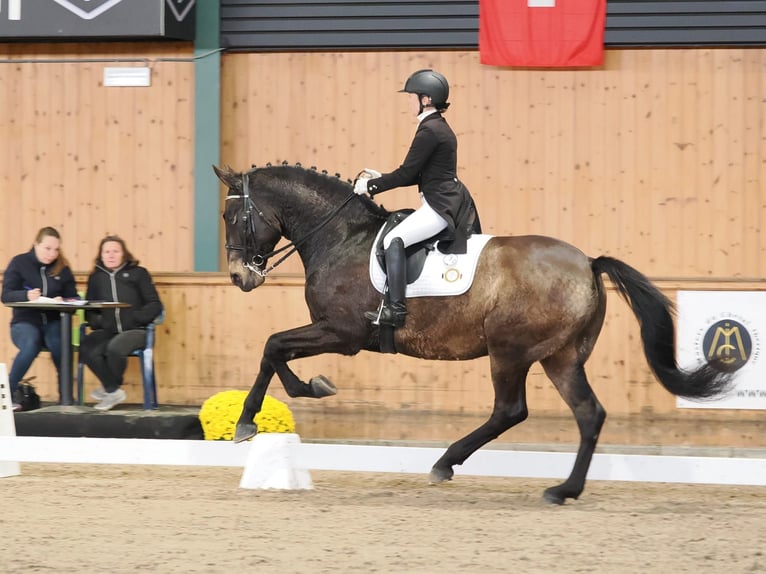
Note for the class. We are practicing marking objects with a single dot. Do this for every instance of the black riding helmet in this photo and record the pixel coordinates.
(429, 83)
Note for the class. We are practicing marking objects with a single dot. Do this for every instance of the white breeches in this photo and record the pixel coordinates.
(418, 226)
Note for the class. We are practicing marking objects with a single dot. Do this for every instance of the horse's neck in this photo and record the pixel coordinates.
(350, 229)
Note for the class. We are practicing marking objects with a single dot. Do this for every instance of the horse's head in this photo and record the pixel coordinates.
(250, 235)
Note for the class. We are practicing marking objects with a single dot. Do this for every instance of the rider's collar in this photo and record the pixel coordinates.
(424, 115)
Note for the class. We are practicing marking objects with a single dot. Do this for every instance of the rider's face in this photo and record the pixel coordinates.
(414, 104)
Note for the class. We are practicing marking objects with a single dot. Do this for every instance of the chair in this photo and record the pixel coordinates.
(145, 355)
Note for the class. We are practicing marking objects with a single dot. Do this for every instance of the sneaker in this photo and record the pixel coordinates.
(16, 398)
(98, 394)
(111, 400)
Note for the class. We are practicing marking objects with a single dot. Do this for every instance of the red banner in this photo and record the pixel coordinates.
(542, 33)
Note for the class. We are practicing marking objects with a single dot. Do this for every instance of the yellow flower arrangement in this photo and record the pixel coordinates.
(220, 412)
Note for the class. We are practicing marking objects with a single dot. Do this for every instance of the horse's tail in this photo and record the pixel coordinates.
(654, 312)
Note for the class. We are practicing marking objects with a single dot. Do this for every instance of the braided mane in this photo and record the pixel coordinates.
(322, 179)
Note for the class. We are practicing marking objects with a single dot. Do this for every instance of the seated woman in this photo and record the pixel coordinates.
(43, 271)
(116, 333)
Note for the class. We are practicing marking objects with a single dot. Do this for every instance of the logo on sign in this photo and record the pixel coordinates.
(729, 344)
(180, 8)
(87, 9)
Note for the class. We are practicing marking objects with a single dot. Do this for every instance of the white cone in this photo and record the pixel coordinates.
(7, 424)
(271, 464)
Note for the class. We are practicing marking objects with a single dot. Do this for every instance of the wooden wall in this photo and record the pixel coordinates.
(657, 158)
(91, 160)
(213, 336)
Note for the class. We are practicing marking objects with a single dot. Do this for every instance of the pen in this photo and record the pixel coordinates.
(28, 288)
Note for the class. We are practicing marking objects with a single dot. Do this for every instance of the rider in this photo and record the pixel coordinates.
(446, 204)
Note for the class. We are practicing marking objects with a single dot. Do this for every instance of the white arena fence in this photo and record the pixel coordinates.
(282, 461)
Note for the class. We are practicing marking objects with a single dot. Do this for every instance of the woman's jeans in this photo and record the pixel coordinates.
(30, 339)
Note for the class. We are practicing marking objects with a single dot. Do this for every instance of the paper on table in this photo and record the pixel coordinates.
(64, 302)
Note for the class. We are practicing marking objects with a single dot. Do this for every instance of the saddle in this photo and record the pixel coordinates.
(418, 252)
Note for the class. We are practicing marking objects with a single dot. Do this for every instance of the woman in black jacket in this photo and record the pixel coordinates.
(43, 271)
(116, 332)
(446, 209)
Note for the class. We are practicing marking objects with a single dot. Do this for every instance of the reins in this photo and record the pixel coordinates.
(259, 259)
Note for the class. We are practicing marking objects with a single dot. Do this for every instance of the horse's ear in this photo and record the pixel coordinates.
(228, 176)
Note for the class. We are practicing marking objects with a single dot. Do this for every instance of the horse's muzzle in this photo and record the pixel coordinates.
(246, 281)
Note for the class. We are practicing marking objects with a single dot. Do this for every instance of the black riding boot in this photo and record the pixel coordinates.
(394, 310)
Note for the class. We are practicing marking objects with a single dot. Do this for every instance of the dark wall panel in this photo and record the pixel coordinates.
(253, 25)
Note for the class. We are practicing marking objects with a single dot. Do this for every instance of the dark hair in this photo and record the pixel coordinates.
(61, 261)
(127, 255)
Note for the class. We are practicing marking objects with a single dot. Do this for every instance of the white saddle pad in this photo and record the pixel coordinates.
(442, 274)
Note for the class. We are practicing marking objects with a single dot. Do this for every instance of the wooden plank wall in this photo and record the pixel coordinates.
(657, 158)
(214, 334)
(91, 160)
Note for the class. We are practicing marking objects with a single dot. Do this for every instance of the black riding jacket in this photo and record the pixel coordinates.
(431, 164)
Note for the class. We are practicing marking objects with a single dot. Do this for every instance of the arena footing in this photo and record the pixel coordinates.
(125, 421)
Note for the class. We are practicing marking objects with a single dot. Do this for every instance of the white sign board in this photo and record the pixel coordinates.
(128, 76)
(726, 325)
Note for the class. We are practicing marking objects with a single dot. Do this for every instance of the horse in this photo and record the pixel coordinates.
(533, 299)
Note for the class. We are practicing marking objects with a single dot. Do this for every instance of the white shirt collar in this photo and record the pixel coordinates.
(424, 115)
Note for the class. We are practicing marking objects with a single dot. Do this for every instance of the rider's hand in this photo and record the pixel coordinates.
(373, 173)
(360, 187)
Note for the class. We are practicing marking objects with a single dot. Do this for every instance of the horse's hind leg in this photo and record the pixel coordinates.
(510, 408)
(568, 374)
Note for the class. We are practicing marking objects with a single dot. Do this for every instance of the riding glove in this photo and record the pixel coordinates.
(360, 186)
(373, 173)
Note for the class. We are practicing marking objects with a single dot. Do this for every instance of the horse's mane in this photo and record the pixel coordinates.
(322, 179)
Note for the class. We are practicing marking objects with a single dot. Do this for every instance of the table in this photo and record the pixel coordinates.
(66, 310)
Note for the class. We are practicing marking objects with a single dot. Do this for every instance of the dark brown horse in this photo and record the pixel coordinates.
(533, 299)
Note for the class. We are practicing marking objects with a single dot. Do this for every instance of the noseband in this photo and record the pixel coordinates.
(251, 257)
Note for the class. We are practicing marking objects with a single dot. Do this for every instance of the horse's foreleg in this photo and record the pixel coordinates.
(298, 343)
(510, 408)
(302, 342)
(569, 378)
(246, 427)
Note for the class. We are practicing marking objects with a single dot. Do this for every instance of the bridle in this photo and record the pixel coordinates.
(252, 258)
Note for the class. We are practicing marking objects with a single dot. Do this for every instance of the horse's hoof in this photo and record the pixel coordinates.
(552, 497)
(245, 431)
(322, 387)
(439, 475)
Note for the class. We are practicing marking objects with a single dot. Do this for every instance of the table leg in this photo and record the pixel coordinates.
(66, 377)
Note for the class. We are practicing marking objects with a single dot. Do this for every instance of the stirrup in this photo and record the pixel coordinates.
(374, 316)
(391, 315)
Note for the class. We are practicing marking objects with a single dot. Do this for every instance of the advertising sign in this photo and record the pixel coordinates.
(96, 19)
(726, 325)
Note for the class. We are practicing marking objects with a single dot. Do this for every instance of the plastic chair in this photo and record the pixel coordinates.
(145, 355)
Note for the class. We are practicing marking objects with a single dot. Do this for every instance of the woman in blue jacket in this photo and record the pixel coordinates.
(43, 271)
(116, 332)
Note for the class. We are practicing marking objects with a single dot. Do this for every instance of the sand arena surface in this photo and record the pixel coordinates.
(104, 518)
